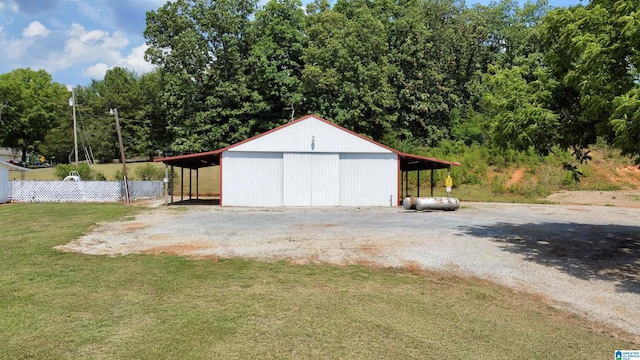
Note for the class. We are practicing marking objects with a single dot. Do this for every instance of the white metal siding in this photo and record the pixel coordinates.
(4, 185)
(325, 183)
(297, 179)
(252, 179)
(311, 179)
(310, 135)
(309, 163)
(368, 179)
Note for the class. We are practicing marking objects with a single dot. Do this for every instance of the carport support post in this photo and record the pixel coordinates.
(197, 182)
(181, 184)
(431, 182)
(448, 176)
(190, 182)
(401, 186)
(166, 184)
(418, 183)
(406, 183)
(172, 189)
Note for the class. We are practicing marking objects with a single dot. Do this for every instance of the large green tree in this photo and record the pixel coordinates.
(439, 48)
(594, 53)
(518, 87)
(416, 70)
(96, 127)
(120, 89)
(151, 119)
(203, 47)
(517, 102)
(275, 61)
(31, 104)
(346, 74)
(141, 110)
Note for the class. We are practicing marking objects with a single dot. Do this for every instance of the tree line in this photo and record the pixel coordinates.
(407, 73)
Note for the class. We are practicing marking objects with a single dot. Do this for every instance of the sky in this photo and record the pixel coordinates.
(79, 40)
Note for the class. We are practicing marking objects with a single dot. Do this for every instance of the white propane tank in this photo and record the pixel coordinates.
(431, 203)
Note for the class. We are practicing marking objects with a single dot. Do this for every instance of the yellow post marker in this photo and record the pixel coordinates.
(449, 183)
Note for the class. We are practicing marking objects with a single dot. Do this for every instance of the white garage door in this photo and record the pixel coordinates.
(368, 179)
(311, 179)
(251, 179)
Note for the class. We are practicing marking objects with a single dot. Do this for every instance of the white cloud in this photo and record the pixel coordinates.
(136, 62)
(96, 71)
(35, 29)
(84, 46)
(12, 5)
(13, 49)
(79, 49)
(94, 11)
(127, 16)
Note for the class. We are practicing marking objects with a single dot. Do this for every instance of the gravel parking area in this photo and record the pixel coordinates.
(581, 258)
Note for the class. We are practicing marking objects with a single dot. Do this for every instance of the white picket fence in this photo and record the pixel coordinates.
(80, 191)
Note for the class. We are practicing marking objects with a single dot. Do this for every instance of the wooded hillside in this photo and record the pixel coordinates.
(408, 73)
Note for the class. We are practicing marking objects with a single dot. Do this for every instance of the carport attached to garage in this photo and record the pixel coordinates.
(309, 162)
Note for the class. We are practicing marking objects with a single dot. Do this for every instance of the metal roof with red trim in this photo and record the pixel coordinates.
(408, 162)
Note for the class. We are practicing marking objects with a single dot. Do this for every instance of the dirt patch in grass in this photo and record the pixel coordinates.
(371, 249)
(133, 226)
(188, 249)
(413, 267)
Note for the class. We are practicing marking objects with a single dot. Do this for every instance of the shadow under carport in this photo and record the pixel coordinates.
(189, 202)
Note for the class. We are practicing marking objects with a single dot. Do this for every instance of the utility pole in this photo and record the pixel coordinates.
(75, 128)
(114, 112)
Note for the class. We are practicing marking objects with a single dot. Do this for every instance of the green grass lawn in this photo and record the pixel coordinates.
(56, 305)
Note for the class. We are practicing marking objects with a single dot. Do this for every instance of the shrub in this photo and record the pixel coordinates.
(118, 176)
(63, 170)
(568, 181)
(498, 185)
(148, 172)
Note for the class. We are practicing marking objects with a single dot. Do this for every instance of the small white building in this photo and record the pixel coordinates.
(4, 179)
(11, 155)
(309, 162)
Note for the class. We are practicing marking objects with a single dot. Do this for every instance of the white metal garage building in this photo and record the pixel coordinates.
(309, 162)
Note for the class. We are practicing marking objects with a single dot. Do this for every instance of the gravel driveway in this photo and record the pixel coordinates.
(581, 258)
